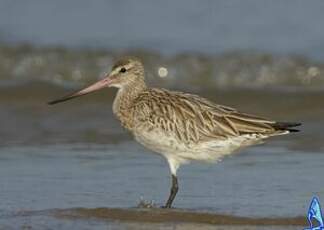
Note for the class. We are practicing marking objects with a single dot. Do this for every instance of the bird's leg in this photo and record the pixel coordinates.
(173, 192)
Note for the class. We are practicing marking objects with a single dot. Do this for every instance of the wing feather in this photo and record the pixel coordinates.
(192, 118)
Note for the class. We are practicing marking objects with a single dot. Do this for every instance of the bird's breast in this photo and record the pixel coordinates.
(158, 141)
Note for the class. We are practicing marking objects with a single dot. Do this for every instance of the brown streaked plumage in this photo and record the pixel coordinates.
(180, 126)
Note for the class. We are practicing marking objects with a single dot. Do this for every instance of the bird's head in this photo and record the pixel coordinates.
(125, 72)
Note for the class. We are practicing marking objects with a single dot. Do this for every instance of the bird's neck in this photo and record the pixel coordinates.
(122, 106)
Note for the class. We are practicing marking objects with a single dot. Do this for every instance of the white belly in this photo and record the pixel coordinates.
(211, 150)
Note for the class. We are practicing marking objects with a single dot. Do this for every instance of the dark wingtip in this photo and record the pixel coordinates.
(287, 126)
(293, 130)
(294, 124)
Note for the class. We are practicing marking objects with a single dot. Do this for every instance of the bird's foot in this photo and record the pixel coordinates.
(146, 204)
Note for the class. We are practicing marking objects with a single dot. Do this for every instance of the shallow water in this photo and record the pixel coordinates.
(261, 182)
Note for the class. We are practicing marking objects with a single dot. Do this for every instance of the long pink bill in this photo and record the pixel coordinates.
(94, 87)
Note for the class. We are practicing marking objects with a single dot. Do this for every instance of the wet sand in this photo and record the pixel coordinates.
(158, 215)
(144, 218)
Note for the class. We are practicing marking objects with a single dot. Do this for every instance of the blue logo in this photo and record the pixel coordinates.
(314, 212)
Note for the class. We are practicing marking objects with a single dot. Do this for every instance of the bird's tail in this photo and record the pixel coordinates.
(286, 126)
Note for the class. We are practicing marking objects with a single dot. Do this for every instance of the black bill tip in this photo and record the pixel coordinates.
(66, 98)
(54, 102)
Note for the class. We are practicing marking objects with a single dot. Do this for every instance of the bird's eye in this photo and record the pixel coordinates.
(122, 70)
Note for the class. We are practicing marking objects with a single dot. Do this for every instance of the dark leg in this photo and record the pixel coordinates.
(173, 192)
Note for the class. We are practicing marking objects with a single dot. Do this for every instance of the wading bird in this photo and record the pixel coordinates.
(180, 126)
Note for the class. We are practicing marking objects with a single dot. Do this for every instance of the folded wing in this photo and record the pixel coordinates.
(192, 118)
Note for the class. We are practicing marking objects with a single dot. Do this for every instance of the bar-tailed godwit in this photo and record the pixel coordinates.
(181, 127)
